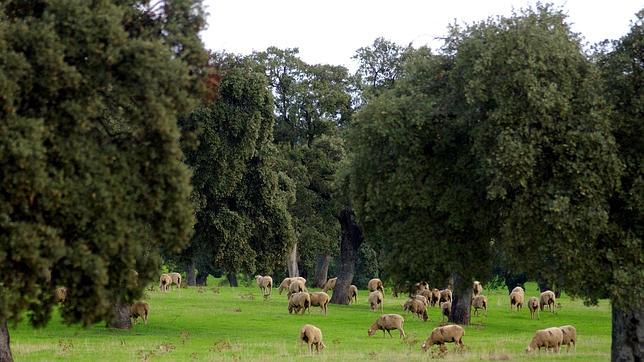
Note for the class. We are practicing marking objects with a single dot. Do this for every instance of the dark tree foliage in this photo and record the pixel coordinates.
(93, 186)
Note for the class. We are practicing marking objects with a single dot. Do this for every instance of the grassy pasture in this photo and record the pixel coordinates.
(222, 323)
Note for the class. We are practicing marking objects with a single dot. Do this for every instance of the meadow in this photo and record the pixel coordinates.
(223, 323)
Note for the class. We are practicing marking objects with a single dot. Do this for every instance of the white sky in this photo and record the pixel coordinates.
(330, 31)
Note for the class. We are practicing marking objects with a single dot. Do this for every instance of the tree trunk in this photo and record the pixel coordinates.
(627, 335)
(293, 270)
(120, 316)
(201, 278)
(350, 242)
(191, 273)
(232, 279)
(321, 270)
(461, 298)
(5, 347)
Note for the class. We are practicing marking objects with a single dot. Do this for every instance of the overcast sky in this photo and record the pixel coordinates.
(330, 31)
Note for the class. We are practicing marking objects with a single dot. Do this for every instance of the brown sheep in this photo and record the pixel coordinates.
(265, 284)
(569, 336)
(139, 309)
(517, 298)
(330, 284)
(353, 294)
(375, 298)
(417, 307)
(479, 302)
(164, 282)
(295, 287)
(300, 301)
(176, 279)
(517, 289)
(386, 323)
(436, 297)
(550, 338)
(533, 306)
(547, 298)
(421, 298)
(446, 334)
(312, 335)
(60, 295)
(477, 288)
(446, 310)
(320, 299)
(445, 296)
(376, 284)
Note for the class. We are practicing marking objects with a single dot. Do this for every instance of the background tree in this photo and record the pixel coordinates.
(92, 179)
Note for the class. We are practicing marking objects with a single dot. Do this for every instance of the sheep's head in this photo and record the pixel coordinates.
(425, 317)
(424, 347)
(528, 349)
(321, 346)
(372, 330)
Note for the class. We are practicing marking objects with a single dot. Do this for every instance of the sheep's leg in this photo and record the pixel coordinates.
(388, 331)
(402, 333)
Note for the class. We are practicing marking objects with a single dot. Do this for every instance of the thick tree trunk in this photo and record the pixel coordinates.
(120, 316)
(461, 298)
(191, 273)
(293, 270)
(321, 270)
(232, 279)
(350, 242)
(627, 336)
(5, 347)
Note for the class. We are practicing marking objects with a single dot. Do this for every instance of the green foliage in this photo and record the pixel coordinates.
(92, 179)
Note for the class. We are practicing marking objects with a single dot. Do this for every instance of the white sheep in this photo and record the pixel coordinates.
(446, 310)
(330, 284)
(164, 282)
(445, 334)
(445, 296)
(386, 323)
(533, 306)
(477, 288)
(375, 299)
(569, 336)
(547, 298)
(375, 284)
(140, 309)
(320, 299)
(549, 338)
(300, 301)
(353, 294)
(265, 284)
(176, 279)
(312, 336)
(517, 298)
(287, 282)
(436, 297)
(479, 302)
(417, 307)
(295, 287)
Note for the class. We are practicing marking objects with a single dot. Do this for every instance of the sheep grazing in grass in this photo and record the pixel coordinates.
(445, 296)
(417, 307)
(549, 338)
(375, 284)
(569, 336)
(375, 299)
(517, 298)
(320, 299)
(479, 302)
(353, 294)
(330, 284)
(176, 279)
(300, 301)
(477, 288)
(287, 283)
(386, 323)
(265, 284)
(421, 298)
(547, 299)
(446, 310)
(164, 282)
(446, 334)
(295, 287)
(312, 336)
(140, 309)
(533, 306)
(60, 295)
(418, 288)
(436, 297)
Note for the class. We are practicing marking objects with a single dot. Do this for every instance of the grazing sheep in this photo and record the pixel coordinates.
(517, 298)
(477, 288)
(312, 335)
(176, 279)
(547, 299)
(139, 309)
(353, 294)
(550, 338)
(436, 297)
(446, 310)
(300, 301)
(479, 302)
(533, 306)
(517, 289)
(418, 288)
(375, 298)
(164, 282)
(421, 298)
(320, 299)
(60, 295)
(375, 284)
(445, 296)
(295, 287)
(386, 323)
(287, 283)
(330, 284)
(417, 307)
(569, 336)
(265, 284)
(446, 334)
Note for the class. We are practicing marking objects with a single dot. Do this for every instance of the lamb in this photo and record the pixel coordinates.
(436, 296)
(295, 287)
(375, 284)
(176, 279)
(445, 296)
(550, 338)
(312, 335)
(164, 282)
(479, 302)
(547, 299)
(330, 284)
(517, 298)
(386, 323)
(417, 307)
(265, 284)
(140, 309)
(533, 306)
(60, 295)
(477, 288)
(446, 310)
(446, 334)
(320, 299)
(569, 336)
(300, 301)
(375, 298)
(353, 294)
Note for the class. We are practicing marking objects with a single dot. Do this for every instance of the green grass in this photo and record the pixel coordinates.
(201, 324)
